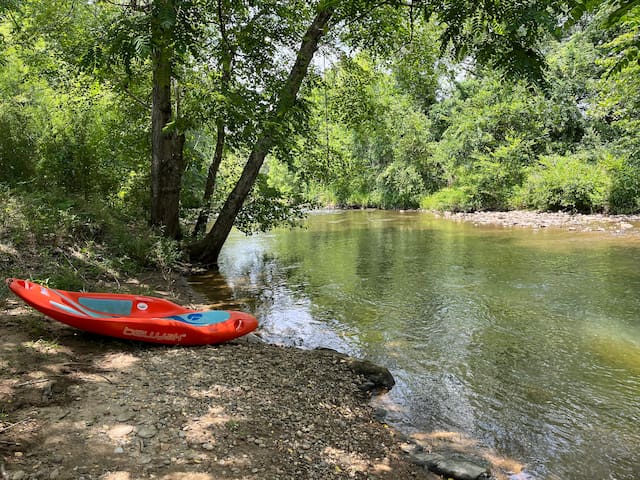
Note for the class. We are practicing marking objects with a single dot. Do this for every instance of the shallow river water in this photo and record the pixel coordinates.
(527, 341)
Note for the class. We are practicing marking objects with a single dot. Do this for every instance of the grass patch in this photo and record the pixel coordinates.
(73, 244)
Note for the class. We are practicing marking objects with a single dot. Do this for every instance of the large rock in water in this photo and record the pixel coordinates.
(377, 377)
(451, 467)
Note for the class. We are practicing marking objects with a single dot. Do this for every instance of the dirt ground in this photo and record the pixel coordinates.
(80, 406)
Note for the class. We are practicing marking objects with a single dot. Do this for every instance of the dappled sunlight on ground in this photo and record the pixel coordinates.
(80, 405)
(117, 361)
(344, 460)
(116, 476)
(188, 476)
(8, 250)
(201, 429)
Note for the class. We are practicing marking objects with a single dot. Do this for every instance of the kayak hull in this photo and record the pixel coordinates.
(134, 317)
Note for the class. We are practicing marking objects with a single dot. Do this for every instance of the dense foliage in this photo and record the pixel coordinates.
(455, 136)
(462, 106)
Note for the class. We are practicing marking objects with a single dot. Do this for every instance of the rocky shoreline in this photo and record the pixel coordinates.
(616, 224)
(80, 406)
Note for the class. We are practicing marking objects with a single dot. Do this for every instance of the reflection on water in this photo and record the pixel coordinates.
(526, 341)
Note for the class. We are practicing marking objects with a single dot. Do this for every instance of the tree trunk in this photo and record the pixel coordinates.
(203, 217)
(167, 163)
(207, 250)
(228, 54)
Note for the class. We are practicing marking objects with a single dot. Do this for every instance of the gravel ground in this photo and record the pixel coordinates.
(79, 406)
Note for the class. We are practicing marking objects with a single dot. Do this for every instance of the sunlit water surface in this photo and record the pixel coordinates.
(527, 341)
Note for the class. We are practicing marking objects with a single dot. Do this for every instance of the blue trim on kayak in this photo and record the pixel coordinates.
(201, 319)
(66, 308)
(86, 312)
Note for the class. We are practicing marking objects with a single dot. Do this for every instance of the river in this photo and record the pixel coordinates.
(524, 341)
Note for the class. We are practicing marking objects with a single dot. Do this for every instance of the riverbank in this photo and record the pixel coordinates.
(616, 224)
(74, 405)
(80, 406)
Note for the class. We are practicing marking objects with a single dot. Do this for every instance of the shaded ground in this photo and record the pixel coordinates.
(75, 405)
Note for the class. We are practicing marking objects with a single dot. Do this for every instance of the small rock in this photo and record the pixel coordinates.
(18, 475)
(147, 431)
(118, 450)
(380, 413)
(409, 448)
(124, 416)
(252, 338)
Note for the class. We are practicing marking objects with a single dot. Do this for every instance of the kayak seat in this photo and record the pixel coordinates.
(107, 305)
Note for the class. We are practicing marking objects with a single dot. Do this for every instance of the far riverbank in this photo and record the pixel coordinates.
(617, 224)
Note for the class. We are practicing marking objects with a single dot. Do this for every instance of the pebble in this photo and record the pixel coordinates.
(146, 431)
(124, 416)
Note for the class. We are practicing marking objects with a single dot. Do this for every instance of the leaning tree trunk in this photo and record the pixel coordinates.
(167, 163)
(228, 54)
(207, 250)
(205, 211)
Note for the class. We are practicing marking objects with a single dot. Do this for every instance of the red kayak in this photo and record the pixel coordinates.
(134, 317)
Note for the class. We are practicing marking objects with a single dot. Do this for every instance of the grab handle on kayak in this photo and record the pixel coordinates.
(238, 324)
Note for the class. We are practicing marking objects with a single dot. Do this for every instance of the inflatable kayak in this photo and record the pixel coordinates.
(134, 317)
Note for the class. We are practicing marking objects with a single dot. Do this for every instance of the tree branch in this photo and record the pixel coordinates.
(136, 98)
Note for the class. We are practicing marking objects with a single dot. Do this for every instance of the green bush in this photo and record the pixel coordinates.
(69, 242)
(624, 194)
(448, 199)
(17, 146)
(489, 184)
(400, 186)
(567, 183)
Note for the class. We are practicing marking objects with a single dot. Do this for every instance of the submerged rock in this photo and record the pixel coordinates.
(451, 467)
